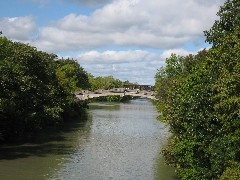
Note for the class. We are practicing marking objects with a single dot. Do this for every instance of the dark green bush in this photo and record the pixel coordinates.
(199, 97)
(32, 93)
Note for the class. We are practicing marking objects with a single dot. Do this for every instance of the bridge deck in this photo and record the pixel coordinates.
(89, 95)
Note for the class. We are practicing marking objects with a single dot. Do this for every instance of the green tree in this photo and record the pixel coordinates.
(71, 75)
(200, 100)
(33, 92)
(226, 25)
(225, 37)
(106, 83)
(28, 87)
(185, 104)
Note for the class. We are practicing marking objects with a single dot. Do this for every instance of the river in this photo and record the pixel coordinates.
(114, 141)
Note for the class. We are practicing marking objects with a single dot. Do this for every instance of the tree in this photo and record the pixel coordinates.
(185, 103)
(229, 19)
(225, 37)
(200, 100)
(36, 89)
(29, 88)
(108, 82)
(71, 75)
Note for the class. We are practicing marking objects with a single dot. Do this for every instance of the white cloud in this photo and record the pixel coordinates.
(163, 25)
(93, 57)
(135, 66)
(130, 56)
(137, 72)
(156, 24)
(179, 52)
(18, 28)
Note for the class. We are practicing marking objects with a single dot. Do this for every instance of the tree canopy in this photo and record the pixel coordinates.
(108, 82)
(36, 88)
(200, 100)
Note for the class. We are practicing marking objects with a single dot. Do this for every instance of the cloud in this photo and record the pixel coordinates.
(132, 65)
(117, 57)
(161, 26)
(129, 57)
(137, 72)
(179, 52)
(135, 23)
(18, 28)
(135, 65)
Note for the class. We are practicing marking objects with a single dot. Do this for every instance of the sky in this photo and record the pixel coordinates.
(127, 39)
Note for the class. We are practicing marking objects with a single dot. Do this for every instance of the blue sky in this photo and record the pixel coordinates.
(127, 39)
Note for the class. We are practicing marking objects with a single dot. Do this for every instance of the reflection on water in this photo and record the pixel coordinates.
(43, 154)
(119, 141)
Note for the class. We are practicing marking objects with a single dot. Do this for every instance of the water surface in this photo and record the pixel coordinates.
(117, 141)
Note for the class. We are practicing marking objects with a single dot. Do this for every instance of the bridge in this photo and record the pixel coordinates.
(85, 94)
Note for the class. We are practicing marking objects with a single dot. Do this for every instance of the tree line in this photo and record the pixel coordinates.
(108, 82)
(37, 89)
(199, 98)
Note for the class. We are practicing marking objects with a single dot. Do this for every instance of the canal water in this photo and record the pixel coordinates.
(114, 141)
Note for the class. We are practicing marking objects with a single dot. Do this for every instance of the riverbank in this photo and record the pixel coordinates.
(111, 98)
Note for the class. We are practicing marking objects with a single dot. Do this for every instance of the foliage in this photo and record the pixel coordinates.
(106, 83)
(71, 75)
(112, 98)
(185, 103)
(200, 100)
(125, 83)
(232, 172)
(229, 20)
(36, 88)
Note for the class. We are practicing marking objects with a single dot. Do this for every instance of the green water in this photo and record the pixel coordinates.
(115, 141)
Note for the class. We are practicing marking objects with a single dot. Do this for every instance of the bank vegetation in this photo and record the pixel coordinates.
(199, 98)
(37, 89)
